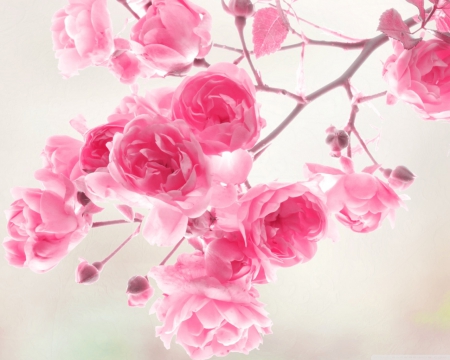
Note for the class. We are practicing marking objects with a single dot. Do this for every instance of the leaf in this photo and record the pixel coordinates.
(419, 4)
(392, 25)
(269, 31)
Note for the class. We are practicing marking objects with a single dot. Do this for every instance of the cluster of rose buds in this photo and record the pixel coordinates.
(185, 155)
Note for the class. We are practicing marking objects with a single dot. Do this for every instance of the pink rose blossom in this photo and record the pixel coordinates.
(280, 222)
(360, 201)
(82, 35)
(418, 77)
(163, 160)
(44, 225)
(125, 64)
(173, 33)
(95, 153)
(209, 318)
(156, 101)
(219, 104)
(61, 155)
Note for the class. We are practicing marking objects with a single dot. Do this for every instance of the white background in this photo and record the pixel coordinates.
(387, 292)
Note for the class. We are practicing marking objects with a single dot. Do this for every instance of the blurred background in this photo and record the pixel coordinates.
(387, 292)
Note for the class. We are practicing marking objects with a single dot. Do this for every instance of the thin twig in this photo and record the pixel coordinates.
(172, 251)
(124, 3)
(113, 222)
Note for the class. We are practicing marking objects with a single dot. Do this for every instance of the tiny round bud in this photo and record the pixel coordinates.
(139, 291)
(337, 139)
(86, 273)
(241, 8)
(401, 178)
(82, 198)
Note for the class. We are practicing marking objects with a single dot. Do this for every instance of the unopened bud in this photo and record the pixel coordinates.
(82, 198)
(201, 225)
(243, 8)
(337, 139)
(87, 273)
(139, 291)
(401, 178)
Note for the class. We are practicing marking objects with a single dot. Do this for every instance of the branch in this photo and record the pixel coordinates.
(369, 47)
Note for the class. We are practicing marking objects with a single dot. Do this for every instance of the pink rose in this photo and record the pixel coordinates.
(280, 222)
(95, 153)
(61, 155)
(82, 35)
(360, 201)
(44, 225)
(173, 33)
(418, 77)
(219, 105)
(125, 64)
(155, 101)
(209, 318)
(162, 160)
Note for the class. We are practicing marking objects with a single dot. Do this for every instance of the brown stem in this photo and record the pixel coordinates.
(124, 3)
(240, 22)
(172, 251)
(370, 97)
(266, 88)
(113, 222)
(369, 47)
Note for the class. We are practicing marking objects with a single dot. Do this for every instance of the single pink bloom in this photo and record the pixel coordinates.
(61, 155)
(360, 201)
(154, 158)
(208, 317)
(219, 105)
(280, 222)
(156, 101)
(95, 154)
(172, 34)
(125, 64)
(139, 291)
(45, 225)
(82, 35)
(419, 77)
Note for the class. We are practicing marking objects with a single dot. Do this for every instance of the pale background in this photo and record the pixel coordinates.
(383, 293)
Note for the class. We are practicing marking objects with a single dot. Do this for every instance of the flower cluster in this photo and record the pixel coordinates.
(159, 43)
(185, 154)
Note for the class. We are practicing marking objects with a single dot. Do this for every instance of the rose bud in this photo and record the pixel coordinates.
(243, 8)
(87, 273)
(337, 139)
(201, 225)
(400, 178)
(139, 291)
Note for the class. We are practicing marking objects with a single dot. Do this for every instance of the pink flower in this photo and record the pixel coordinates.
(44, 225)
(82, 35)
(139, 291)
(220, 106)
(173, 33)
(95, 153)
(61, 155)
(209, 318)
(360, 201)
(280, 222)
(419, 77)
(87, 273)
(162, 160)
(125, 64)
